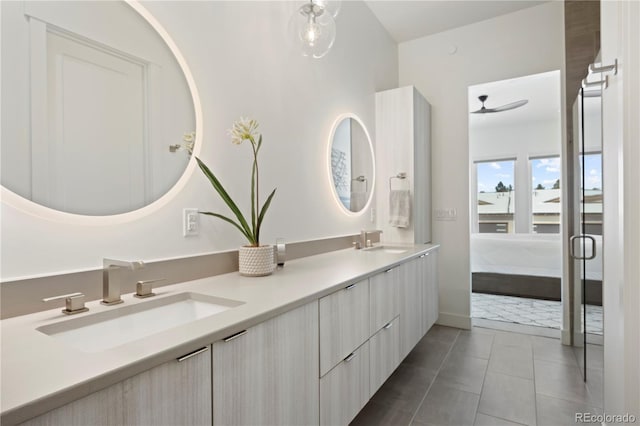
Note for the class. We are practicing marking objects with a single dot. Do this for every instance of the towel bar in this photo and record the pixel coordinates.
(401, 176)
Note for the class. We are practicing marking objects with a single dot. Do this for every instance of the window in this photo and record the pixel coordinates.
(591, 192)
(496, 196)
(545, 199)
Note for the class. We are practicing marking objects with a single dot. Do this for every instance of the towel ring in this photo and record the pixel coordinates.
(361, 178)
(401, 176)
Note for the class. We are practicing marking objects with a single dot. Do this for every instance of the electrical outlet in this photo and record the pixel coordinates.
(190, 222)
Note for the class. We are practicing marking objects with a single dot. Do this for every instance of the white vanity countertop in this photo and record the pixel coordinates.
(40, 373)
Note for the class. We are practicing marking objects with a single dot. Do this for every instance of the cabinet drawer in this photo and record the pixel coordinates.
(383, 291)
(268, 374)
(345, 389)
(384, 353)
(344, 323)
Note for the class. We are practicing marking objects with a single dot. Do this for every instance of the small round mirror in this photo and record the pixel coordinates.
(351, 163)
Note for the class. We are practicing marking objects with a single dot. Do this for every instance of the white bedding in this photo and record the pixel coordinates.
(525, 254)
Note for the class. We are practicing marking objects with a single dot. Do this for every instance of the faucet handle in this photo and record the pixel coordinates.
(74, 303)
(144, 288)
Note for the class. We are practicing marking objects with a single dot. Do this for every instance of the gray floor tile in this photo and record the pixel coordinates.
(445, 405)
(561, 381)
(548, 349)
(405, 389)
(508, 397)
(475, 344)
(428, 354)
(484, 420)
(374, 414)
(595, 384)
(511, 360)
(506, 338)
(442, 333)
(558, 412)
(463, 372)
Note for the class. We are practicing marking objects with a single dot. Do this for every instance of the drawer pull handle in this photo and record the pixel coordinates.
(422, 256)
(349, 287)
(388, 326)
(349, 357)
(235, 336)
(192, 354)
(389, 270)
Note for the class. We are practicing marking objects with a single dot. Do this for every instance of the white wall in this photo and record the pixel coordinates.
(620, 23)
(522, 43)
(243, 64)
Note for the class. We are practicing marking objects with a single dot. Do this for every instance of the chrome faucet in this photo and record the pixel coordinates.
(110, 286)
(364, 238)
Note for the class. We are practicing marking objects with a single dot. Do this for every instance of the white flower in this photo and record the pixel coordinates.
(243, 129)
(189, 140)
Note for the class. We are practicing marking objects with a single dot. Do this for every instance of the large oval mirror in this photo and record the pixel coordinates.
(351, 163)
(95, 107)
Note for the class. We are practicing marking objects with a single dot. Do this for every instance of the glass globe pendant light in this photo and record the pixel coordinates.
(315, 29)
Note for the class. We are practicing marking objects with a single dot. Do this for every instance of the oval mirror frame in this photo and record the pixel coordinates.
(24, 205)
(370, 182)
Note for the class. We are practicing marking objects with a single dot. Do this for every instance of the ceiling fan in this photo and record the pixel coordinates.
(507, 107)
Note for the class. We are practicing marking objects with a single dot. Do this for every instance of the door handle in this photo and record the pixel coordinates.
(572, 250)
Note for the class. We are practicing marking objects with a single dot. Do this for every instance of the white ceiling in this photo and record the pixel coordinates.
(408, 20)
(541, 90)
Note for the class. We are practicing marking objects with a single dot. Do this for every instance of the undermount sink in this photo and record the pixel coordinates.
(109, 329)
(388, 249)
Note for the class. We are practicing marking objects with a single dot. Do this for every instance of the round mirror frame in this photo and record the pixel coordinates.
(29, 207)
(334, 127)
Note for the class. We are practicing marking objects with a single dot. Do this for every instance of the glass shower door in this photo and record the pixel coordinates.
(586, 243)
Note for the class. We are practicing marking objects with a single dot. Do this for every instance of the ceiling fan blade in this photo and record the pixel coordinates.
(483, 110)
(512, 105)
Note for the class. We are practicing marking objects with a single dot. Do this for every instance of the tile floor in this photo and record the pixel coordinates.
(535, 312)
(486, 377)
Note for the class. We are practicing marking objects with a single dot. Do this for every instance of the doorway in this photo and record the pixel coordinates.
(516, 203)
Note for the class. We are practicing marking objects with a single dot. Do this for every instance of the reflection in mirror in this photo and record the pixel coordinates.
(352, 168)
(90, 109)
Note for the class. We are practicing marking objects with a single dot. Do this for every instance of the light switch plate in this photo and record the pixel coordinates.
(448, 213)
(190, 222)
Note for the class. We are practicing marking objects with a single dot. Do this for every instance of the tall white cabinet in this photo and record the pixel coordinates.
(403, 145)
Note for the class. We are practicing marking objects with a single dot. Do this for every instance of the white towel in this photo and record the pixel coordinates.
(358, 201)
(399, 207)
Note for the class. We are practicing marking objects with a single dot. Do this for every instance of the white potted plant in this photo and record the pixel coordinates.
(254, 259)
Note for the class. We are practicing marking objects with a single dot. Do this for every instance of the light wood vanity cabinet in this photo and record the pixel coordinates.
(345, 389)
(411, 300)
(269, 375)
(430, 292)
(384, 298)
(384, 349)
(169, 394)
(344, 323)
(320, 362)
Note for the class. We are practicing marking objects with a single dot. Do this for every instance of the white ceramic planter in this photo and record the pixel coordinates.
(256, 261)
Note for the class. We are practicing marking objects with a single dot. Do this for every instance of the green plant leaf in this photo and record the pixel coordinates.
(253, 194)
(265, 206)
(226, 219)
(259, 143)
(248, 232)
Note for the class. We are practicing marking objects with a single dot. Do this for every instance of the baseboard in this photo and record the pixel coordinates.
(454, 320)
